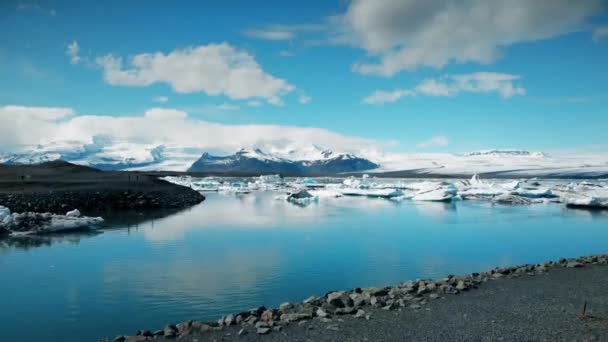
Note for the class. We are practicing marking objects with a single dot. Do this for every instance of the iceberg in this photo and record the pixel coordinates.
(302, 197)
(28, 223)
(373, 193)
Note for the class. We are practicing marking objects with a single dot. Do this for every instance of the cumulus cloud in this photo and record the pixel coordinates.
(479, 82)
(73, 51)
(25, 125)
(33, 125)
(436, 141)
(215, 69)
(600, 33)
(381, 96)
(406, 34)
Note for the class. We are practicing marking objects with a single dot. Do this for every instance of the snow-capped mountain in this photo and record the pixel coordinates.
(103, 153)
(257, 161)
(292, 158)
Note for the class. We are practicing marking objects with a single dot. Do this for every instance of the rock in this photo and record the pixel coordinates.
(314, 300)
(415, 306)
(339, 299)
(263, 331)
(349, 310)
(119, 339)
(433, 296)
(321, 313)
(285, 307)
(242, 332)
(138, 338)
(360, 314)
(229, 320)
(170, 331)
(574, 264)
(278, 328)
(333, 327)
(448, 289)
(294, 317)
(461, 286)
(268, 316)
(200, 326)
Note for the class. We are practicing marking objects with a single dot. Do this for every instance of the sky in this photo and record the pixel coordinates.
(396, 75)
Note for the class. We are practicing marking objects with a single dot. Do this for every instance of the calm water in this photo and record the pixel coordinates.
(233, 253)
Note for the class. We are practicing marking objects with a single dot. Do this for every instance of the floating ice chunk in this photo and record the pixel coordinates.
(587, 202)
(270, 179)
(43, 223)
(302, 197)
(515, 200)
(73, 213)
(534, 193)
(326, 193)
(4, 213)
(373, 193)
(442, 192)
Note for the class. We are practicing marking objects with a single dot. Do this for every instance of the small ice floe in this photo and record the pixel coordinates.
(434, 191)
(372, 193)
(354, 183)
(302, 197)
(477, 189)
(309, 183)
(585, 195)
(534, 192)
(207, 184)
(43, 223)
(587, 202)
(515, 200)
(235, 188)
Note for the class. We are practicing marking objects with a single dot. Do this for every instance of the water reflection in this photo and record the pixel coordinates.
(27, 242)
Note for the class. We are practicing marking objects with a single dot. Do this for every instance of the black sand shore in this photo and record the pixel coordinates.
(58, 187)
(543, 305)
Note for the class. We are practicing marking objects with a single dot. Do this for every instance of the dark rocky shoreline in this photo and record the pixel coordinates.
(337, 307)
(58, 187)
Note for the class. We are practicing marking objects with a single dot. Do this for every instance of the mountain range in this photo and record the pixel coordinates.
(308, 159)
(257, 161)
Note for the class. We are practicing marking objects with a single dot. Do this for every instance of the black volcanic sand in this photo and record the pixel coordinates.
(545, 307)
(58, 187)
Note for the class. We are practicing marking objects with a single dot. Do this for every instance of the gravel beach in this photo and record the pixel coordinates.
(58, 187)
(545, 305)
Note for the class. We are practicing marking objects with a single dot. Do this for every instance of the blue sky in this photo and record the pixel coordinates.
(539, 83)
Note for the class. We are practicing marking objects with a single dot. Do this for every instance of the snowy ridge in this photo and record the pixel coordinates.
(290, 157)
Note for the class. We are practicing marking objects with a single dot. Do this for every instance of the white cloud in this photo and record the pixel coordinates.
(304, 99)
(600, 33)
(406, 34)
(25, 125)
(215, 69)
(33, 125)
(479, 82)
(281, 32)
(436, 141)
(285, 53)
(73, 51)
(161, 99)
(381, 96)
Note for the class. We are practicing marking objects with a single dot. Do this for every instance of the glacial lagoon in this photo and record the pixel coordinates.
(237, 251)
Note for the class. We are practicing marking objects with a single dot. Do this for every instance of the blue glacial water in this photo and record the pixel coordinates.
(232, 253)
